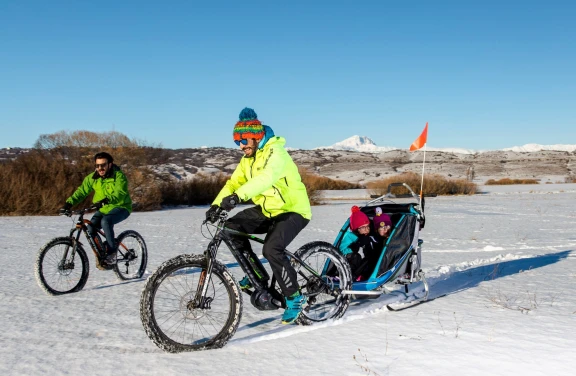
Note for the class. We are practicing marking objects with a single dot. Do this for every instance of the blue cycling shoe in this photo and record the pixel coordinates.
(294, 305)
(245, 283)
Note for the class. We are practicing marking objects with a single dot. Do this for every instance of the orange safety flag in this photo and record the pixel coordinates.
(421, 140)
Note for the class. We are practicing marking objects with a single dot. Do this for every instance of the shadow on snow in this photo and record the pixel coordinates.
(472, 277)
(439, 287)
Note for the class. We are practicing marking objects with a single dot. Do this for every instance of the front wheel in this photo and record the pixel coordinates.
(331, 275)
(57, 270)
(131, 256)
(175, 319)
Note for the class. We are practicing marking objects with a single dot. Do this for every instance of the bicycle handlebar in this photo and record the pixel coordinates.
(69, 213)
(219, 215)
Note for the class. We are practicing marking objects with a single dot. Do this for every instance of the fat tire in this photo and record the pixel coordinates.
(174, 265)
(39, 267)
(324, 249)
(139, 266)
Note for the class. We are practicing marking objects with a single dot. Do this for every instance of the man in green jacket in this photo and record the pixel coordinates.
(267, 175)
(111, 196)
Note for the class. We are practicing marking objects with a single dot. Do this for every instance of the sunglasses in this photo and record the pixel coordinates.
(101, 165)
(243, 141)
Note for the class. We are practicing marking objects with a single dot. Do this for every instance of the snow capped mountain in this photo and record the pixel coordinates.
(359, 143)
(366, 145)
(536, 147)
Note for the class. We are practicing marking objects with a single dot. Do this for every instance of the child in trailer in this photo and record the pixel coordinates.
(360, 237)
(382, 225)
(382, 228)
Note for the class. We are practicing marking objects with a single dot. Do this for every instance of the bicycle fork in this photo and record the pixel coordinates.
(64, 263)
(201, 301)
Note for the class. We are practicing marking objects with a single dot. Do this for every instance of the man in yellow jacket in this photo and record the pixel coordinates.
(268, 176)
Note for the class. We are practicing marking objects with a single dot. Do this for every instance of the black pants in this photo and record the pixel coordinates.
(280, 231)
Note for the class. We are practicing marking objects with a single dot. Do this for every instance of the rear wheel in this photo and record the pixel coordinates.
(332, 274)
(57, 272)
(132, 256)
(171, 314)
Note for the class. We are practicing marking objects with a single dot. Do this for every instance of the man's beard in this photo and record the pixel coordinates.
(252, 153)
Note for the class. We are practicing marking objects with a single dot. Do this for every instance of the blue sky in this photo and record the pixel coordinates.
(485, 75)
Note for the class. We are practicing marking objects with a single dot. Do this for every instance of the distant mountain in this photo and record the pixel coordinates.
(528, 148)
(366, 145)
(359, 143)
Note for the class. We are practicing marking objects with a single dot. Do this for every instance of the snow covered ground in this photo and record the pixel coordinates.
(506, 260)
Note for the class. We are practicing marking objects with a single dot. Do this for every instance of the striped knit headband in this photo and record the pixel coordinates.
(248, 126)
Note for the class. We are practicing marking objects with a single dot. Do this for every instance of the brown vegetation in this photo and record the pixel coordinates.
(315, 183)
(199, 191)
(84, 139)
(433, 185)
(38, 182)
(507, 181)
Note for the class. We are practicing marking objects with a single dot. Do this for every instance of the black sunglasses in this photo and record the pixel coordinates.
(101, 165)
(243, 141)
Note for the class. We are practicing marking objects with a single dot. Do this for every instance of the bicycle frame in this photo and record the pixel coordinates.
(252, 266)
(80, 227)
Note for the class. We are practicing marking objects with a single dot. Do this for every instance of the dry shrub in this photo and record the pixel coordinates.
(316, 183)
(200, 190)
(145, 192)
(433, 185)
(75, 139)
(570, 179)
(507, 181)
(82, 145)
(37, 183)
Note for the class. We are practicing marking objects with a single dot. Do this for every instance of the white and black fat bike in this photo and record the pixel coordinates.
(192, 302)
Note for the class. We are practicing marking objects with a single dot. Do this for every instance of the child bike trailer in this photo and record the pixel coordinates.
(400, 259)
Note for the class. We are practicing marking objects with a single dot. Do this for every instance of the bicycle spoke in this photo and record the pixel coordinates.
(175, 310)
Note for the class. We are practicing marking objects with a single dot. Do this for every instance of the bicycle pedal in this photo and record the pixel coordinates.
(101, 265)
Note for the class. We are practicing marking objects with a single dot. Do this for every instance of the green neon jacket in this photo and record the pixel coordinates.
(271, 179)
(113, 186)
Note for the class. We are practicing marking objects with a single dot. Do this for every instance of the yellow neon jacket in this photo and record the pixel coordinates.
(271, 179)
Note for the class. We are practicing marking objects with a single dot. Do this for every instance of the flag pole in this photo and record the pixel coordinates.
(422, 183)
(421, 141)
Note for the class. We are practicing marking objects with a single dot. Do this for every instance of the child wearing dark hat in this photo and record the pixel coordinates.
(357, 238)
(382, 224)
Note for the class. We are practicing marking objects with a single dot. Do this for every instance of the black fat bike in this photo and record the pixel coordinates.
(192, 302)
(62, 264)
